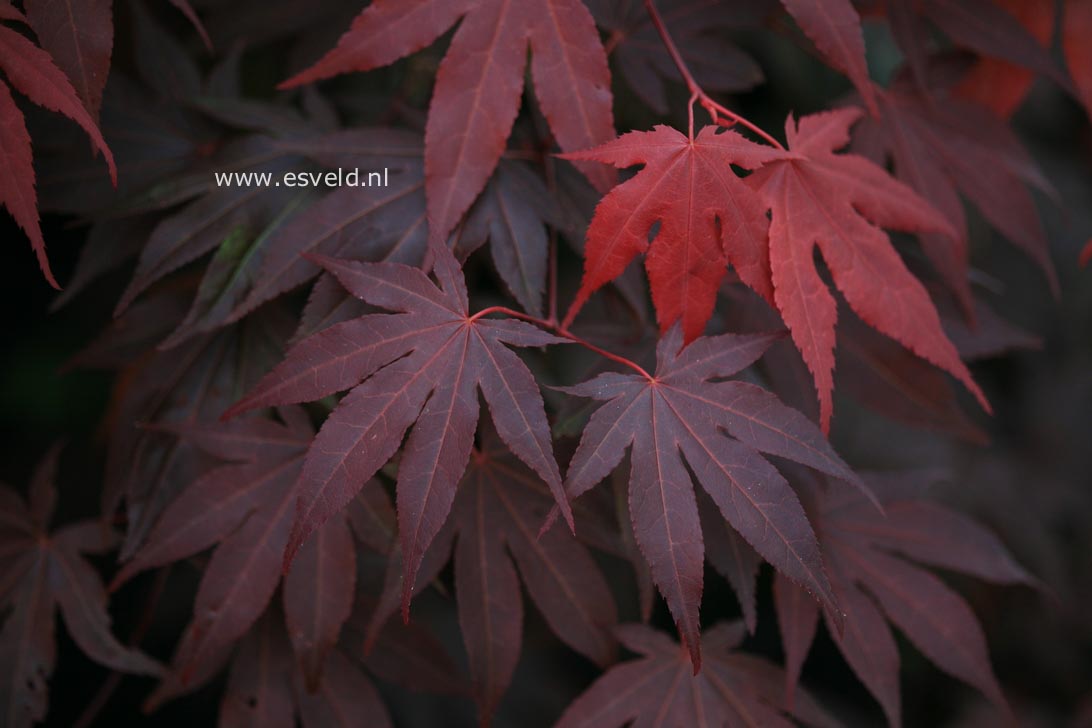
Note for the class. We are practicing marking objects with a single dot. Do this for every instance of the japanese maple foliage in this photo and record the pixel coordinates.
(681, 411)
(464, 143)
(697, 335)
(45, 570)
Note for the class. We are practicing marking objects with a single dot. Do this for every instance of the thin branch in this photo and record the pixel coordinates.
(716, 111)
(564, 333)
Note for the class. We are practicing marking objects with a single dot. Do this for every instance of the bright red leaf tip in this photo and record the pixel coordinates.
(686, 411)
(480, 81)
(837, 202)
(423, 364)
(708, 218)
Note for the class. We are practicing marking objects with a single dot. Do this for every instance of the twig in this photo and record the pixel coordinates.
(718, 112)
(564, 333)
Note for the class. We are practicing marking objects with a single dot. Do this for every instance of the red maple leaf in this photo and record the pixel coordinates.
(684, 411)
(708, 218)
(819, 198)
(423, 364)
(480, 80)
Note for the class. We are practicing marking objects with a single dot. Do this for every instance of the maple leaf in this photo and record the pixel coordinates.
(819, 198)
(374, 521)
(31, 71)
(734, 689)
(192, 384)
(386, 225)
(423, 364)
(247, 507)
(869, 561)
(218, 212)
(480, 80)
(698, 28)
(683, 410)
(708, 218)
(266, 687)
(938, 149)
(511, 214)
(45, 570)
(498, 511)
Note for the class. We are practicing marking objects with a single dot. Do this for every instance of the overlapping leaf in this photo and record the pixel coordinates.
(498, 512)
(230, 212)
(79, 35)
(887, 378)
(480, 81)
(699, 28)
(939, 149)
(245, 508)
(708, 218)
(497, 515)
(982, 26)
(423, 364)
(684, 411)
(267, 687)
(831, 201)
(1000, 85)
(370, 224)
(835, 28)
(185, 387)
(735, 689)
(872, 565)
(31, 71)
(511, 214)
(45, 570)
